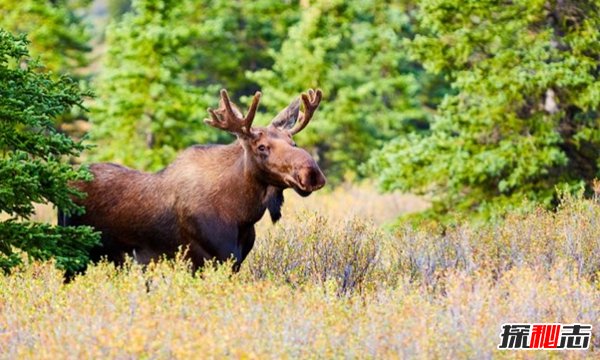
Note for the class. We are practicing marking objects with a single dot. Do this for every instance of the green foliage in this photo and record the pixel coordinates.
(234, 37)
(146, 110)
(56, 29)
(32, 166)
(353, 51)
(523, 78)
(116, 8)
(523, 119)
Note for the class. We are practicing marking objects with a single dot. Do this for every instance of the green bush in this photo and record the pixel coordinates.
(146, 110)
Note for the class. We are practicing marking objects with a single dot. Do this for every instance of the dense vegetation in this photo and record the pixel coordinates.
(515, 79)
(57, 30)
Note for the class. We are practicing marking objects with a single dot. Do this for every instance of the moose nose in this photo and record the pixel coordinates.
(311, 178)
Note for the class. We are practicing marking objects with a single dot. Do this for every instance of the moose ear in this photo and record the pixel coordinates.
(287, 118)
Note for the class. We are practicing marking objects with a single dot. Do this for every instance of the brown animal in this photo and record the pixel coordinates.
(210, 197)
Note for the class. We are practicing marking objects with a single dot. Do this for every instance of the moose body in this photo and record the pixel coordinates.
(208, 200)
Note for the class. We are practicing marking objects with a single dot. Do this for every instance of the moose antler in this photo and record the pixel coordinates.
(229, 118)
(311, 103)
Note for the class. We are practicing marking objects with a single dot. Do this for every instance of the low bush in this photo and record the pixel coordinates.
(318, 288)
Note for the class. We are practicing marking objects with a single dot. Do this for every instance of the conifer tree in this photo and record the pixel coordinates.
(165, 65)
(33, 168)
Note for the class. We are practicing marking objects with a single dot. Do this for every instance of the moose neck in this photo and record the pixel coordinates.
(243, 174)
(223, 176)
(241, 183)
(269, 197)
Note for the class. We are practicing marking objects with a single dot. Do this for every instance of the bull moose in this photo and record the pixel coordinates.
(210, 197)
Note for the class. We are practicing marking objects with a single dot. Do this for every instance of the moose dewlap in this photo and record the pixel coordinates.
(210, 197)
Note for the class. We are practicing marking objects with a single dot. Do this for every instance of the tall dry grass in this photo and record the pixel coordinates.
(321, 285)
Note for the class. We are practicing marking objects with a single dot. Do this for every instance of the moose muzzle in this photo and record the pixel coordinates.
(309, 178)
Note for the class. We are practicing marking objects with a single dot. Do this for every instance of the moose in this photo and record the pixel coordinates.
(209, 199)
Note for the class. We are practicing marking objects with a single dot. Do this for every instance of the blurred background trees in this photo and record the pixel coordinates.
(60, 36)
(146, 109)
(57, 30)
(355, 51)
(522, 119)
(479, 106)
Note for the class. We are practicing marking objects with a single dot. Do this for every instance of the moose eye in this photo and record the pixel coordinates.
(262, 148)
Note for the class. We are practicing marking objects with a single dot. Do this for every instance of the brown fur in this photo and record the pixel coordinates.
(207, 200)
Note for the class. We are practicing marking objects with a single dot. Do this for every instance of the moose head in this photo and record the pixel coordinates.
(271, 151)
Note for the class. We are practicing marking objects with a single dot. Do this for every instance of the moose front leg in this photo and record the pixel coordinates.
(199, 254)
(213, 239)
(246, 238)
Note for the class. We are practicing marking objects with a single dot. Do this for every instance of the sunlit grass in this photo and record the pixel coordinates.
(354, 201)
(318, 285)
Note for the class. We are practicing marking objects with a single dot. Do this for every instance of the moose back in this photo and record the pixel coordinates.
(210, 197)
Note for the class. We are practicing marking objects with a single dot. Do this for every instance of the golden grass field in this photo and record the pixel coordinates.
(326, 282)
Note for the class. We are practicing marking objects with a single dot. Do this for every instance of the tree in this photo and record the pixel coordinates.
(146, 109)
(523, 118)
(355, 52)
(32, 164)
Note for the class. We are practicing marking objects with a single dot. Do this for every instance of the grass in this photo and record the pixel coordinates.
(321, 284)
